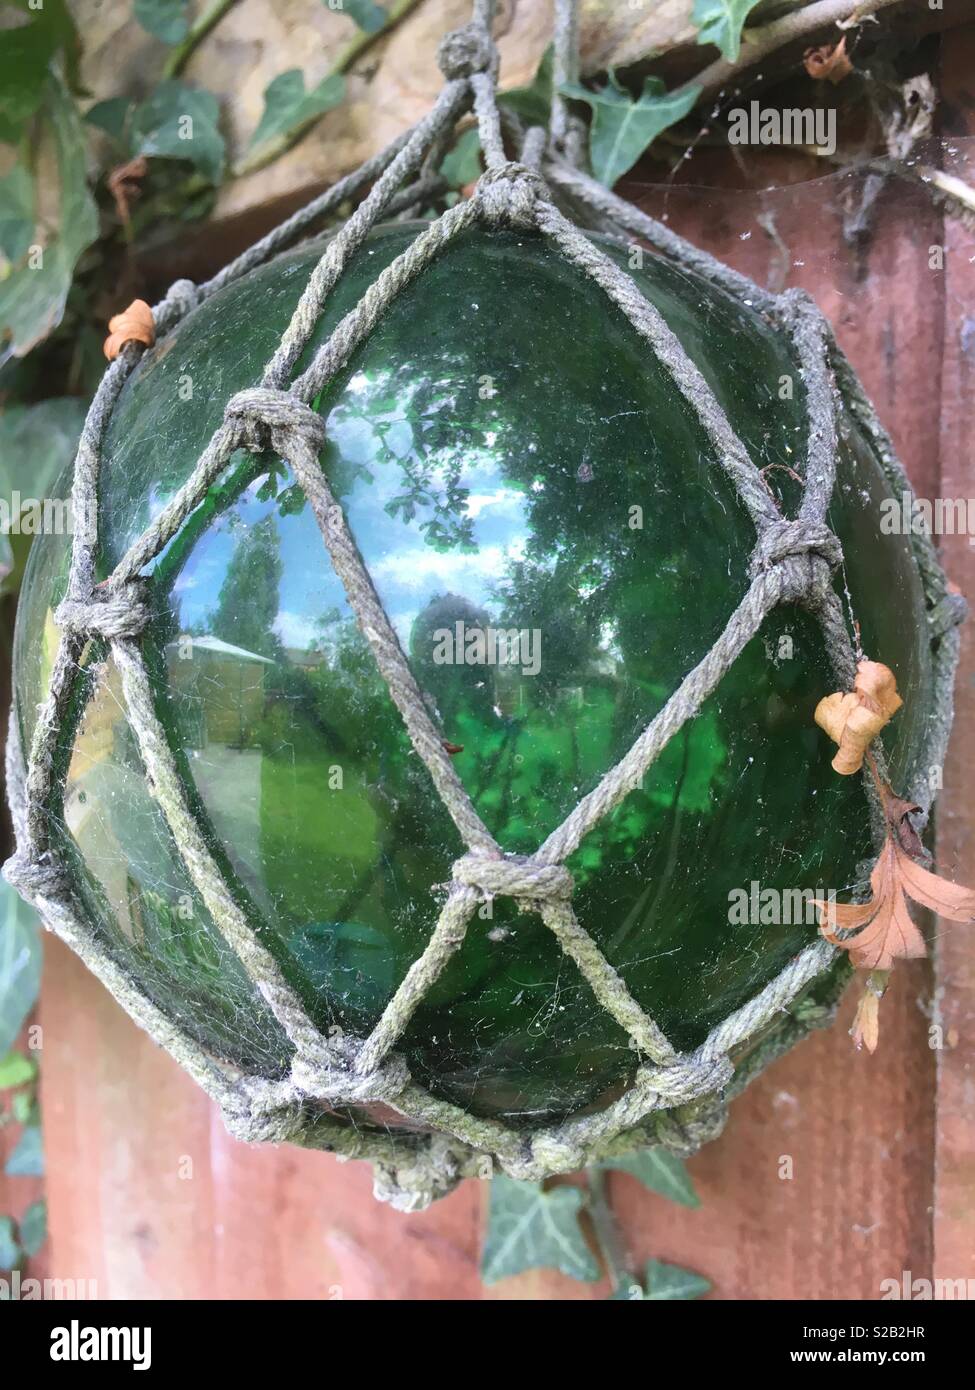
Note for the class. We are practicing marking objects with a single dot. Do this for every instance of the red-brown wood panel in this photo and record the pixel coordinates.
(954, 1173)
(150, 1197)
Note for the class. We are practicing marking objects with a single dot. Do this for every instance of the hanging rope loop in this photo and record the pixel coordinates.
(509, 193)
(117, 613)
(466, 51)
(263, 417)
(514, 876)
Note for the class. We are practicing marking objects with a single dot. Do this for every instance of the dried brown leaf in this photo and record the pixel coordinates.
(885, 930)
(865, 1031)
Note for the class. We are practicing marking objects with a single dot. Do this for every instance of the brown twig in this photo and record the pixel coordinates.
(182, 53)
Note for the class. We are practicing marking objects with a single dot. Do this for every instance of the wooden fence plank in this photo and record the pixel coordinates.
(954, 1196)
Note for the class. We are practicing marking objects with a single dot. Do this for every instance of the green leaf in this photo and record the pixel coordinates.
(180, 122)
(33, 1227)
(25, 53)
(463, 164)
(369, 16)
(27, 1159)
(659, 1170)
(16, 213)
(623, 128)
(663, 1283)
(112, 116)
(33, 295)
(529, 1228)
(670, 1282)
(25, 57)
(720, 22)
(16, 1070)
(7, 561)
(23, 1107)
(10, 1251)
(20, 957)
(287, 105)
(37, 443)
(534, 102)
(164, 19)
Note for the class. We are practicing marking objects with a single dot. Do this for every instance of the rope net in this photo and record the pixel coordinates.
(678, 1100)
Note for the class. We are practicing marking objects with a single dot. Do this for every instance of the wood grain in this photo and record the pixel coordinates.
(954, 1171)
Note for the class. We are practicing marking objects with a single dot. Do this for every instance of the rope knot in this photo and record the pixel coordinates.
(262, 417)
(687, 1128)
(807, 550)
(34, 878)
(112, 613)
(687, 1079)
(514, 876)
(254, 1116)
(465, 51)
(426, 1171)
(330, 1074)
(947, 613)
(509, 194)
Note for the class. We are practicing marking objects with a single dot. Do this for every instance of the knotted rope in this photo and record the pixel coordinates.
(673, 1099)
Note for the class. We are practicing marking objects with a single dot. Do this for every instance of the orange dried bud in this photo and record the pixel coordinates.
(135, 325)
(854, 718)
(828, 63)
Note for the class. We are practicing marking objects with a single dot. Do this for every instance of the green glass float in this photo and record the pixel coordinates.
(510, 458)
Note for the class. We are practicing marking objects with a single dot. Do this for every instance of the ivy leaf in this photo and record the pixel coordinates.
(463, 164)
(112, 116)
(287, 105)
(164, 19)
(20, 957)
(529, 1228)
(33, 1227)
(27, 1159)
(16, 213)
(534, 102)
(720, 22)
(659, 1170)
(623, 128)
(25, 54)
(25, 57)
(180, 122)
(37, 442)
(10, 1251)
(33, 294)
(369, 16)
(16, 1070)
(663, 1283)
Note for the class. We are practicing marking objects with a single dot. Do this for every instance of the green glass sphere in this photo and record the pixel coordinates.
(509, 456)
